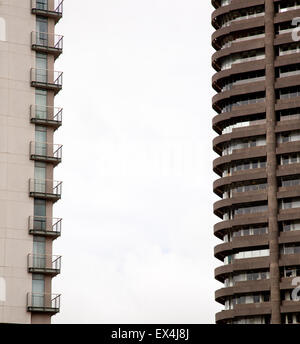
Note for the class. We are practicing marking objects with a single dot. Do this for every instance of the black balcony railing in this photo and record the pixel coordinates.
(46, 152)
(43, 303)
(45, 189)
(47, 79)
(45, 42)
(44, 264)
(46, 115)
(48, 8)
(45, 226)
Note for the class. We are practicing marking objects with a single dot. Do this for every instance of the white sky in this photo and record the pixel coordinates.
(137, 240)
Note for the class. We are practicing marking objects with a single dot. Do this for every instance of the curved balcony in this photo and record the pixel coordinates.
(220, 184)
(46, 115)
(289, 259)
(240, 199)
(237, 155)
(286, 60)
(288, 147)
(289, 214)
(251, 242)
(44, 264)
(254, 309)
(45, 189)
(287, 125)
(47, 43)
(238, 133)
(245, 264)
(48, 8)
(235, 70)
(47, 79)
(43, 303)
(235, 26)
(286, 170)
(46, 152)
(221, 228)
(237, 47)
(241, 111)
(243, 287)
(221, 10)
(240, 89)
(45, 226)
(290, 307)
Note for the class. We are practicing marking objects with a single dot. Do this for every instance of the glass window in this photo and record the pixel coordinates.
(39, 245)
(39, 214)
(40, 134)
(40, 171)
(42, 31)
(41, 61)
(41, 66)
(40, 177)
(41, 104)
(39, 207)
(40, 141)
(39, 250)
(256, 298)
(42, 4)
(38, 290)
(41, 24)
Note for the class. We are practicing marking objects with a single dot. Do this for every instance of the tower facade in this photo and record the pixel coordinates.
(28, 156)
(257, 80)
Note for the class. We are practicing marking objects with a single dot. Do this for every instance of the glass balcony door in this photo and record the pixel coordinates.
(42, 31)
(41, 68)
(42, 5)
(39, 250)
(40, 177)
(40, 221)
(41, 104)
(38, 291)
(40, 141)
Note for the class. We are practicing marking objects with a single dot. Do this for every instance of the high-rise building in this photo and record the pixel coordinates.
(257, 80)
(28, 155)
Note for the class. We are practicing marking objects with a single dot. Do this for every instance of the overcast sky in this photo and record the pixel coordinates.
(137, 239)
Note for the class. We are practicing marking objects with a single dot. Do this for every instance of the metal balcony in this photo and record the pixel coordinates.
(44, 264)
(46, 152)
(43, 303)
(46, 115)
(48, 8)
(47, 79)
(45, 226)
(45, 189)
(47, 43)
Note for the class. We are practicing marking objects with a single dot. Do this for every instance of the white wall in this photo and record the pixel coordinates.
(16, 96)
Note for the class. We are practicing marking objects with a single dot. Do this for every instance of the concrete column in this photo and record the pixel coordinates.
(272, 163)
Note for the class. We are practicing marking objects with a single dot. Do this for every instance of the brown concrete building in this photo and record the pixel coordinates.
(257, 80)
(28, 155)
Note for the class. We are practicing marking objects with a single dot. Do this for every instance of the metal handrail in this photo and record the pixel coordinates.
(43, 300)
(56, 8)
(43, 223)
(49, 113)
(45, 149)
(45, 186)
(46, 39)
(44, 261)
(47, 76)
